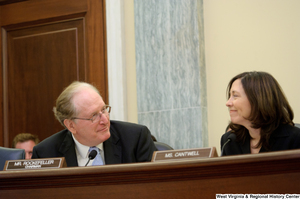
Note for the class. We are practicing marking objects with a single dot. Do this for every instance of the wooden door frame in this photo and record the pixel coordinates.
(96, 44)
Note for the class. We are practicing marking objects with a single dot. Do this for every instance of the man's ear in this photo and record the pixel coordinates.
(70, 125)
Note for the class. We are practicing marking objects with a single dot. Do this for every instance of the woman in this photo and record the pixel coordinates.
(261, 117)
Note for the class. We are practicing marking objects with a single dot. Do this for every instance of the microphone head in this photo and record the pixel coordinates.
(231, 137)
(92, 154)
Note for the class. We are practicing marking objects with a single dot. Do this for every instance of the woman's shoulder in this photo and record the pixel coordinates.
(288, 131)
(225, 136)
(289, 134)
(295, 130)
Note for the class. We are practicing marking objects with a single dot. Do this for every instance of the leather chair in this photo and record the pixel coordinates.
(10, 154)
(162, 146)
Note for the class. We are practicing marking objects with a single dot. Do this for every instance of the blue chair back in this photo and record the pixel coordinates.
(162, 146)
(10, 154)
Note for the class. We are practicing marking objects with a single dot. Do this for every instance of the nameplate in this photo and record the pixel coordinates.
(184, 154)
(47, 163)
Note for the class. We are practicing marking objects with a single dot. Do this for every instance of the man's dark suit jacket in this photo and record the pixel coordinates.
(285, 137)
(128, 143)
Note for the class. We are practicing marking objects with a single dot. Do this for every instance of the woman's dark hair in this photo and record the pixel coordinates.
(269, 106)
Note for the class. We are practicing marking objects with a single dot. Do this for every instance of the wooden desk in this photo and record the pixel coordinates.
(268, 173)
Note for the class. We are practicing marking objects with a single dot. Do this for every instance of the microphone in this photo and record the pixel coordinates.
(230, 138)
(92, 155)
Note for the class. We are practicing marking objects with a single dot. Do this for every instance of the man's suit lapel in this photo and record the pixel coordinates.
(67, 149)
(112, 150)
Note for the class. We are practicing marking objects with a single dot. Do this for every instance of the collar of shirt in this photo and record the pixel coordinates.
(82, 152)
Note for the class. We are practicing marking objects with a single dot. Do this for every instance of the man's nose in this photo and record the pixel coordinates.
(103, 118)
(27, 156)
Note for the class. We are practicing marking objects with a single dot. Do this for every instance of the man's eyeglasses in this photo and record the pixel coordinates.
(96, 118)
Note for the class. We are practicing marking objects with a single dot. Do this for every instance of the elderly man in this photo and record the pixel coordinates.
(81, 109)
